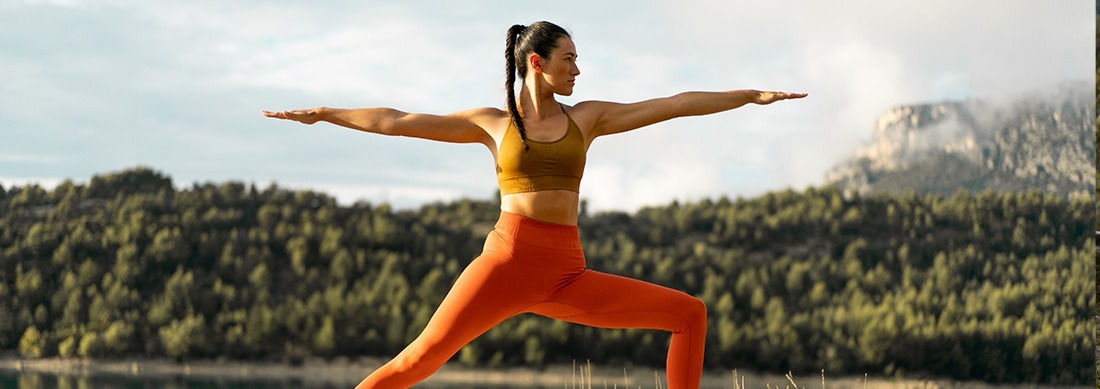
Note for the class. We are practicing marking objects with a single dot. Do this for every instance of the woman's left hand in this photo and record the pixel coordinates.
(305, 116)
(765, 98)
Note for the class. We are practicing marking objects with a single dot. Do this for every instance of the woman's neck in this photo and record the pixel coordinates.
(537, 104)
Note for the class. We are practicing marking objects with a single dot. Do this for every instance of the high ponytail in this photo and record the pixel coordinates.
(540, 38)
(510, 79)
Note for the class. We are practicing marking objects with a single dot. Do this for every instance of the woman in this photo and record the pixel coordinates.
(532, 260)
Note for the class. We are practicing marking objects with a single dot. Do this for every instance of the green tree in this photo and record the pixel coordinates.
(32, 344)
(131, 181)
(67, 347)
(91, 345)
(183, 337)
(324, 341)
(117, 339)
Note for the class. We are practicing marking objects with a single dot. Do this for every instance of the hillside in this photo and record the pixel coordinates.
(991, 286)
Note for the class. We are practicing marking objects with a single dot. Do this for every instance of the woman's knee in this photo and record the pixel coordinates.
(695, 311)
(421, 358)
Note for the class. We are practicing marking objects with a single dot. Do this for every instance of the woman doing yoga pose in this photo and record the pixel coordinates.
(532, 260)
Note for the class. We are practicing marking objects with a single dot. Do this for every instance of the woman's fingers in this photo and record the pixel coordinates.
(301, 115)
(771, 97)
(279, 115)
(787, 95)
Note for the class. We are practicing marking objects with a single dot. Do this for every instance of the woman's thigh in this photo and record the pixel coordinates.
(611, 301)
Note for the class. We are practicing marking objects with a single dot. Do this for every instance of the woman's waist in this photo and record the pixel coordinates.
(521, 228)
(550, 206)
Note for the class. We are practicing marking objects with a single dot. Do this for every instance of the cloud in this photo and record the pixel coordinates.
(31, 159)
(395, 61)
(56, 3)
(632, 186)
(400, 197)
(45, 183)
(114, 83)
(858, 59)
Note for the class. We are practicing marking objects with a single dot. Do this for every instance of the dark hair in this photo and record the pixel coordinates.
(540, 38)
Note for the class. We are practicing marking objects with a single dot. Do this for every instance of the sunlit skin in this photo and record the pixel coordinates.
(543, 117)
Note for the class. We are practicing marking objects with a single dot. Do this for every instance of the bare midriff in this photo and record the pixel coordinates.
(551, 206)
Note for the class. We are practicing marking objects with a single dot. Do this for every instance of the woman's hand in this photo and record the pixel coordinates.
(305, 116)
(765, 98)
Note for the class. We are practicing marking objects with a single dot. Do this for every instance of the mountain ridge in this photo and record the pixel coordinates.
(1036, 140)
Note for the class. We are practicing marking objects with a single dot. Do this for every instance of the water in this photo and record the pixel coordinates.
(35, 380)
(54, 381)
(13, 380)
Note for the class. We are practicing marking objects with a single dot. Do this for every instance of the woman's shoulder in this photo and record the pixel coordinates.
(484, 116)
(585, 113)
(484, 113)
(592, 105)
(493, 120)
(591, 109)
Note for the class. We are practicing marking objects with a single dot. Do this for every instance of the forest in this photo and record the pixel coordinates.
(998, 287)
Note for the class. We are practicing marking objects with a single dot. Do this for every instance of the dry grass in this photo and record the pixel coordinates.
(582, 379)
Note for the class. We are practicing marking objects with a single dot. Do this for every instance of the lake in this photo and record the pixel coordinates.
(447, 378)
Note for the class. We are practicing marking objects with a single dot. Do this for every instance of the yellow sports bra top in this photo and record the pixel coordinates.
(545, 166)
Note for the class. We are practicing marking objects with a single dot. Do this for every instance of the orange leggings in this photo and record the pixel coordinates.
(538, 267)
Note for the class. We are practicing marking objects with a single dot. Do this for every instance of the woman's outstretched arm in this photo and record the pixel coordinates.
(613, 118)
(460, 127)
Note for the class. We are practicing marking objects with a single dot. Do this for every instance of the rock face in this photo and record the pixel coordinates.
(1040, 140)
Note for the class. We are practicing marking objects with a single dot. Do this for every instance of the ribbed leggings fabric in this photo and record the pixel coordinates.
(533, 266)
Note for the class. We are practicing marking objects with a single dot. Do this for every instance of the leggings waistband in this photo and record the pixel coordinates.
(539, 233)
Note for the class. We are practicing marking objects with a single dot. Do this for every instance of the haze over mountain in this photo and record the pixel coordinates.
(1038, 140)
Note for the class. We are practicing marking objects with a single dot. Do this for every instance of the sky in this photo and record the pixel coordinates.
(97, 86)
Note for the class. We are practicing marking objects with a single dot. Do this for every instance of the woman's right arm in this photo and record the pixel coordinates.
(460, 127)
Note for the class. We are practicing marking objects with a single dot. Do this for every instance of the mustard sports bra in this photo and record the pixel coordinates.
(545, 166)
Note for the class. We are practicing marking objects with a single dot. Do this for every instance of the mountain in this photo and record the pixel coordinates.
(1039, 140)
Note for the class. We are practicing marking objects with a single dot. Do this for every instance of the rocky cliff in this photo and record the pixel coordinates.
(1039, 140)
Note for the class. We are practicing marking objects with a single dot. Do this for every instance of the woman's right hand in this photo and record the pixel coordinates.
(765, 98)
(304, 116)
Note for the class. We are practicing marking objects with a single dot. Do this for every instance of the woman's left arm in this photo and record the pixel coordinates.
(613, 118)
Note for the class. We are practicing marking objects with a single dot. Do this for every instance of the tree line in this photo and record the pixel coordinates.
(997, 287)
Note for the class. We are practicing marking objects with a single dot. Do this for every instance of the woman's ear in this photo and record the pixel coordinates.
(534, 62)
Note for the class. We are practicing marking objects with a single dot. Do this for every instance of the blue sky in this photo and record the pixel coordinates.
(94, 86)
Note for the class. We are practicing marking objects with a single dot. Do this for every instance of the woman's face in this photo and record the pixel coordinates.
(560, 70)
